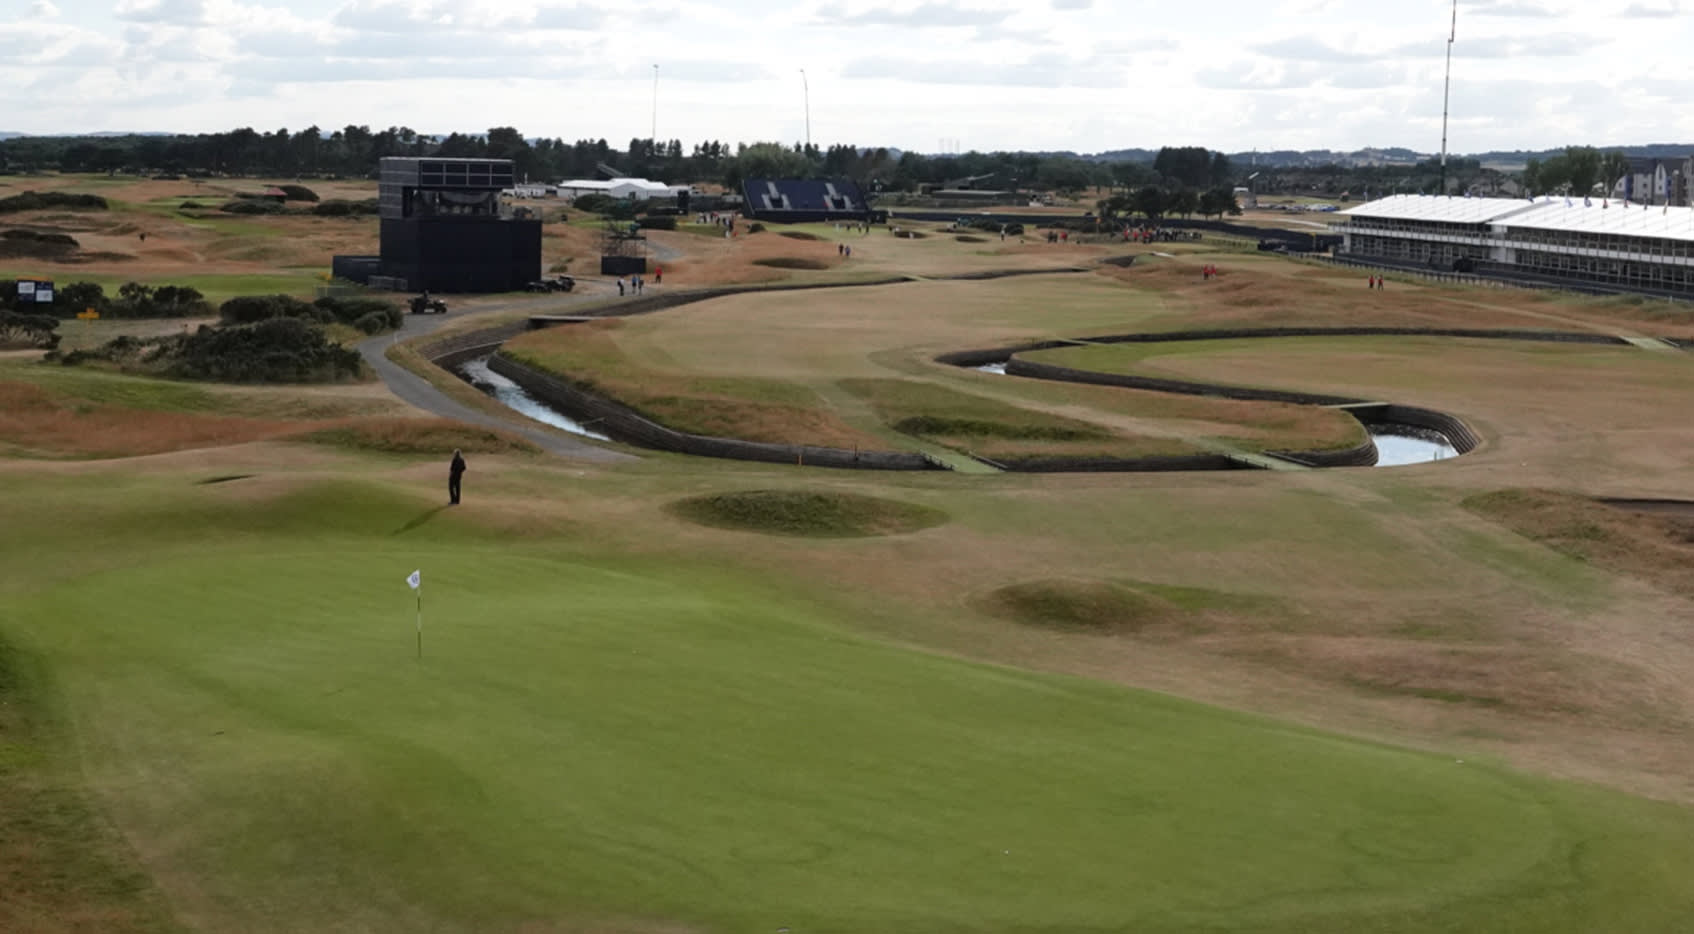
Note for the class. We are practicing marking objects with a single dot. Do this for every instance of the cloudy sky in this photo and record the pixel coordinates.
(931, 75)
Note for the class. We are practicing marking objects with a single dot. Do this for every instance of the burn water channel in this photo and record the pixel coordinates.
(1396, 445)
(513, 396)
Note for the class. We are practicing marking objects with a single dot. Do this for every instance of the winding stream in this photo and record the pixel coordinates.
(513, 396)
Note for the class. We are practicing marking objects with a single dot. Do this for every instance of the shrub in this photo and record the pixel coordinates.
(38, 237)
(298, 192)
(30, 244)
(595, 204)
(250, 309)
(336, 207)
(276, 350)
(253, 207)
(18, 330)
(80, 296)
(142, 301)
(651, 222)
(755, 227)
(190, 206)
(354, 310)
(38, 201)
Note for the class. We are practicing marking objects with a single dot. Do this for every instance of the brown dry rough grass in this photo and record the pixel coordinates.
(34, 421)
(418, 436)
(1658, 548)
(591, 356)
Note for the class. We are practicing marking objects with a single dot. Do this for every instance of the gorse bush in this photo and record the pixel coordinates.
(253, 207)
(336, 207)
(43, 200)
(24, 330)
(362, 313)
(276, 350)
(142, 301)
(298, 192)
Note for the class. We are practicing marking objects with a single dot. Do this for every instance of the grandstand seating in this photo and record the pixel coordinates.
(803, 200)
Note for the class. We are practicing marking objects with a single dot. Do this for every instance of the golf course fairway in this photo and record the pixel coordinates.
(604, 742)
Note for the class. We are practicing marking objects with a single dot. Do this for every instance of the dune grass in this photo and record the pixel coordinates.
(624, 744)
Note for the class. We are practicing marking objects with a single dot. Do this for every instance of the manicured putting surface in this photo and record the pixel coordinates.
(661, 742)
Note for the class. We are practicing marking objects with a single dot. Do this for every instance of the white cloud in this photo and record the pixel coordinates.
(171, 12)
(1056, 75)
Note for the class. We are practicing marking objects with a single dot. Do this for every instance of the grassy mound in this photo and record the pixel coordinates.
(798, 235)
(1096, 606)
(808, 514)
(791, 262)
(419, 436)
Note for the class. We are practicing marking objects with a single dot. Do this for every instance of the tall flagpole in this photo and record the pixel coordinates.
(654, 133)
(806, 89)
(1447, 95)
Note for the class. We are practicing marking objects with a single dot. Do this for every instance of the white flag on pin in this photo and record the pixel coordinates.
(415, 579)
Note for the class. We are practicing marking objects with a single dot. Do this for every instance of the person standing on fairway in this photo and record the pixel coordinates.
(454, 472)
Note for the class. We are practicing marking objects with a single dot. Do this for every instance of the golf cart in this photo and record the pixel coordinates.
(424, 305)
(556, 284)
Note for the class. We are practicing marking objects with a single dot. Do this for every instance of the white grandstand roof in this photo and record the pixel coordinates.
(1592, 215)
(1668, 223)
(1439, 209)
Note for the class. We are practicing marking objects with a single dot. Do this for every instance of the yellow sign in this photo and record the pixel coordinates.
(88, 315)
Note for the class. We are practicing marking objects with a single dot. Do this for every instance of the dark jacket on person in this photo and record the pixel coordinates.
(458, 466)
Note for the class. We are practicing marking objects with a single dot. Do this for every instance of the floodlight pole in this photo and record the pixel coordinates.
(653, 134)
(806, 89)
(1447, 94)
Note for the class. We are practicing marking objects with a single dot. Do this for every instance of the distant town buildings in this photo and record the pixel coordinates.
(1656, 180)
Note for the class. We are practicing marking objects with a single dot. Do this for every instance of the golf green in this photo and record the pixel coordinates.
(617, 742)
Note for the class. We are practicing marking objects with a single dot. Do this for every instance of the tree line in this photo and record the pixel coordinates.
(355, 151)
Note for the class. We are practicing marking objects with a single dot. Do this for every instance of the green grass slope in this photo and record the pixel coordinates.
(606, 743)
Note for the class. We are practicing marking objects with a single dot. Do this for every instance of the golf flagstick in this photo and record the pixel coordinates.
(415, 580)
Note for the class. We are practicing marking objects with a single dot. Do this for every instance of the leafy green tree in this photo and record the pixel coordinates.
(1613, 166)
(1150, 201)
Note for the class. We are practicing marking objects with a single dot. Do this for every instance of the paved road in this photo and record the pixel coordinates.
(416, 391)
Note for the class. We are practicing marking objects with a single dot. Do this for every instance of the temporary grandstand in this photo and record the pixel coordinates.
(797, 201)
(444, 228)
(1593, 242)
